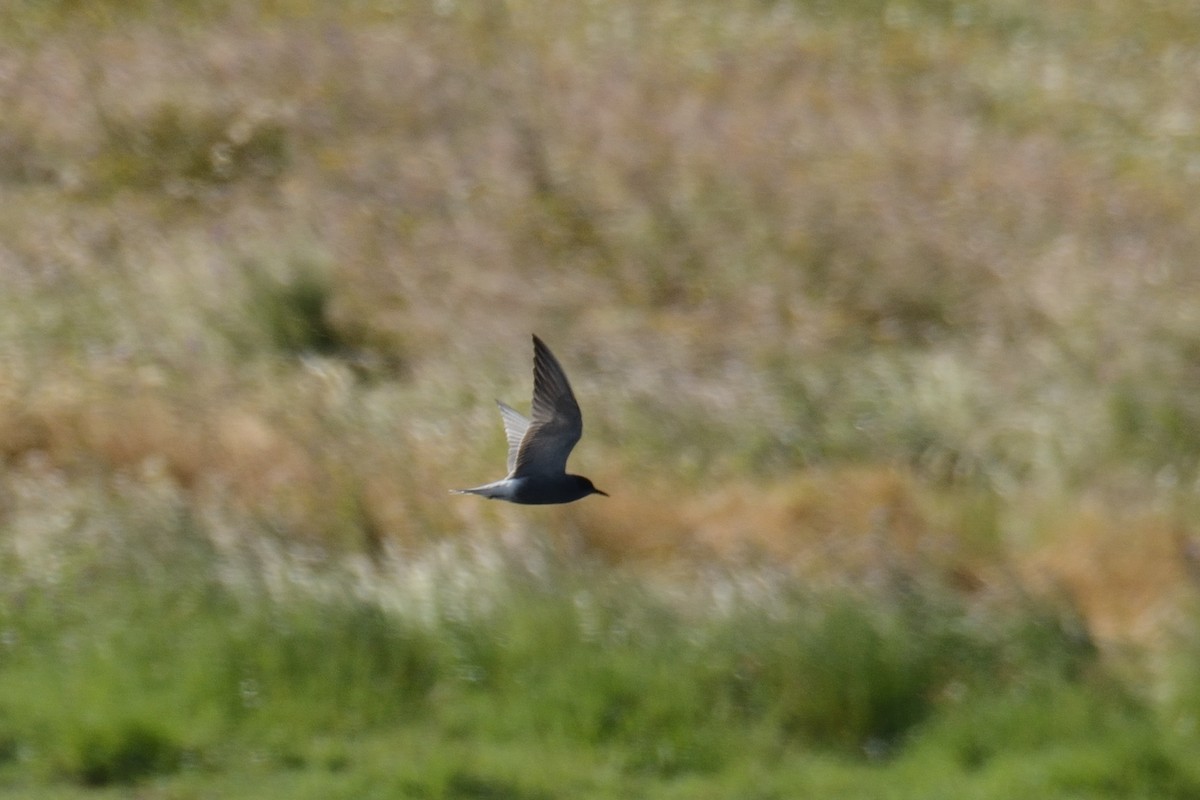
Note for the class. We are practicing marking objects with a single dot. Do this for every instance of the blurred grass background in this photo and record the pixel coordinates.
(884, 320)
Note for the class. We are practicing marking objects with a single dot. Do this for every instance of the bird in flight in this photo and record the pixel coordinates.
(538, 446)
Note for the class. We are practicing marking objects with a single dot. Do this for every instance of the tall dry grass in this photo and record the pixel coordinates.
(817, 270)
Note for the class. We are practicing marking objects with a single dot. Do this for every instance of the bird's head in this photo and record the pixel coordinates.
(586, 486)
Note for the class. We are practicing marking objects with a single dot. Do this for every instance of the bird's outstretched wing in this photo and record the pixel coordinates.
(515, 425)
(555, 425)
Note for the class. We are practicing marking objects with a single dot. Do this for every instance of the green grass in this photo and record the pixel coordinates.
(141, 651)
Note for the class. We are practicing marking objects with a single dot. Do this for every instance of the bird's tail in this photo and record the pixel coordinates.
(489, 491)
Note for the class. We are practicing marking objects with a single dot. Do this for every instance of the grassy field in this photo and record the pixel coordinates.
(885, 321)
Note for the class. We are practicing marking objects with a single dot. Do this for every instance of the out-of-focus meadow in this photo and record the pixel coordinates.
(885, 322)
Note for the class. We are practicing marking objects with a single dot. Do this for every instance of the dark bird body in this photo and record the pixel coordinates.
(538, 446)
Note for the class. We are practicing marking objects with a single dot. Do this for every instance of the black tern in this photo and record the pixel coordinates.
(538, 447)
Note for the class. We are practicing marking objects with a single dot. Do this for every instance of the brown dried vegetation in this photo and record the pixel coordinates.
(821, 281)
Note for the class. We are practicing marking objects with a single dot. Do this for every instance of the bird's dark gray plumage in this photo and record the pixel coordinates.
(538, 447)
